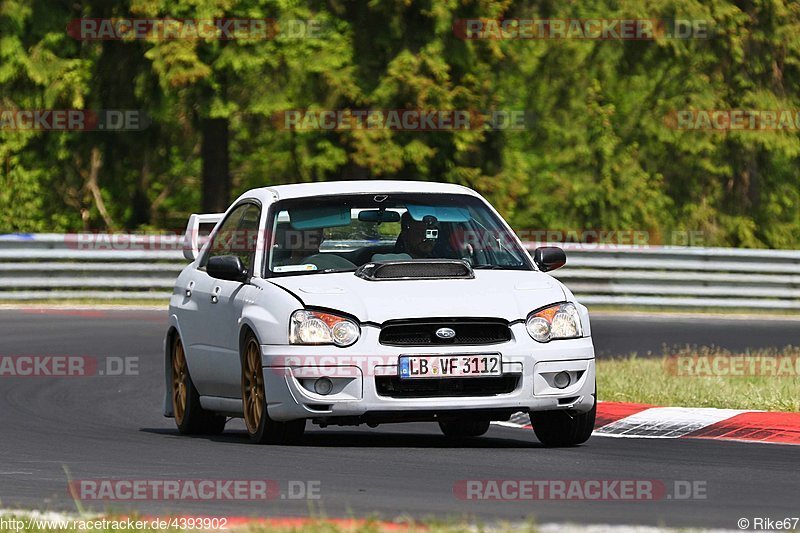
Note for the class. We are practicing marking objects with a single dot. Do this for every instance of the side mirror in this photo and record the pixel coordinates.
(549, 258)
(227, 267)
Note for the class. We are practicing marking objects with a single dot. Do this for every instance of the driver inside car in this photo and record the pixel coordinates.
(414, 238)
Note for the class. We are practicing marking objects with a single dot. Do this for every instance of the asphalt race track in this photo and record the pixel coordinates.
(111, 427)
(659, 334)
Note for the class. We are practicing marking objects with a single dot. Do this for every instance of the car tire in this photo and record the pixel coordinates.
(463, 427)
(260, 427)
(560, 429)
(190, 417)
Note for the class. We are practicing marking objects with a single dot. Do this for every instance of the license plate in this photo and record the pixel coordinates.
(449, 366)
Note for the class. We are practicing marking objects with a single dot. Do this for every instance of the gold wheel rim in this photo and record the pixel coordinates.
(252, 387)
(179, 382)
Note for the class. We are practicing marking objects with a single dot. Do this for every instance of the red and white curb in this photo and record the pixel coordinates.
(646, 421)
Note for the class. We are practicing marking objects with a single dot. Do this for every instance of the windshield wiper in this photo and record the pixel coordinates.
(496, 267)
(333, 270)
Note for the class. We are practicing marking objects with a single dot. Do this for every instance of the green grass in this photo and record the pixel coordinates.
(657, 381)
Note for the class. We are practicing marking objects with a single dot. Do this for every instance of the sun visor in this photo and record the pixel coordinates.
(442, 213)
(319, 217)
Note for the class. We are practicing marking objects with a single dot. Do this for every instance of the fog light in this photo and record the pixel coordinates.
(562, 380)
(323, 386)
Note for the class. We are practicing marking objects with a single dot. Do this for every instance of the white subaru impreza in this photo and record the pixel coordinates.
(373, 302)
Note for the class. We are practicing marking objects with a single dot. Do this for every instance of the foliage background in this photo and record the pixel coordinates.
(598, 154)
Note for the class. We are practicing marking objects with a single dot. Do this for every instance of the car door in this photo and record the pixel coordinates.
(228, 299)
(211, 321)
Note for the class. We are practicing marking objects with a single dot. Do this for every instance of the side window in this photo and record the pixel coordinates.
(244, 244)
(226, 236)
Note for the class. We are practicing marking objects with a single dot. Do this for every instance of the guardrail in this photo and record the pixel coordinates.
(56, 267)
(683, 277)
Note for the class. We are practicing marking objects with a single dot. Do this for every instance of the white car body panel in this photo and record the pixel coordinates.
(502, 294)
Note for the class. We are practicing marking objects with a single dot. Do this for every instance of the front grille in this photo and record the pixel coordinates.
(394, 387)
(423, 333)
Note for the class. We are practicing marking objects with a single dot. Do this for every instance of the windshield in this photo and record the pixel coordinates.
(341, 233)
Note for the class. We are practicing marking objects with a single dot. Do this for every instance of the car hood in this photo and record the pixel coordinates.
(510, 295)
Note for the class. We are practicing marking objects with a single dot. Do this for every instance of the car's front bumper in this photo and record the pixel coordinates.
(290, 372)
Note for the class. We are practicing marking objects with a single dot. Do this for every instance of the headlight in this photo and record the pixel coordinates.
(314, 327)
(559, 321)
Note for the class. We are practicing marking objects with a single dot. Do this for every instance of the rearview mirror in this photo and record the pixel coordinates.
(549, 258)
(227, 267)
(378, 215)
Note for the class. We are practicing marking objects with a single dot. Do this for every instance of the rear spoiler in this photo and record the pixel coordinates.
(191, 239)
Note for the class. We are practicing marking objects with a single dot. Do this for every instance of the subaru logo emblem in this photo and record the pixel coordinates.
(445, 333)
